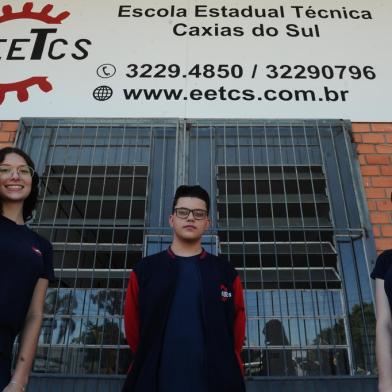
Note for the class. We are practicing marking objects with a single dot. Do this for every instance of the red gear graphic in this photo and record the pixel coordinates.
(27, 13)
(41, 81)
(22, 86)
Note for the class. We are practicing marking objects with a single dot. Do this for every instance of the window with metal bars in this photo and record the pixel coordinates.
(286, 211)
(289, 218)
(92, 206)
(261, 197)
(91, 259)
(286, 269)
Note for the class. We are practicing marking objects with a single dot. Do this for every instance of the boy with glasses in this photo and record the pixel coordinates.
(184, 311)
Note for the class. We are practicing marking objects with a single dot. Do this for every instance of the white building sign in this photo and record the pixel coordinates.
(215, 59)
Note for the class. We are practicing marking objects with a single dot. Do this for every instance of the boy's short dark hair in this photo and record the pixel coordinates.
(192, 191)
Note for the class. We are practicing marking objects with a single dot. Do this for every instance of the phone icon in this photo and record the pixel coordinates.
(106, 71)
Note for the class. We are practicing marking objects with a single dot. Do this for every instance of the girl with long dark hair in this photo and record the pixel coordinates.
(25, 268)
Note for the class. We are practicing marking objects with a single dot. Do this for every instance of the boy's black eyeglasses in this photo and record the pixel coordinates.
(197, 213)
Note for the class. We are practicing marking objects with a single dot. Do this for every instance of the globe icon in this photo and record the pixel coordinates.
(102, 93)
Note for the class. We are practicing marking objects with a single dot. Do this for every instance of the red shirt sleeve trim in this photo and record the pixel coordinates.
(131, 313)
(239, 320)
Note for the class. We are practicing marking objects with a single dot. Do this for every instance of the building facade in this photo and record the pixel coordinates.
(300, 208)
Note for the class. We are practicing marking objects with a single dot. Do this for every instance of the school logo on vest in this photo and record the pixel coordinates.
(36, 251)
(225, 293)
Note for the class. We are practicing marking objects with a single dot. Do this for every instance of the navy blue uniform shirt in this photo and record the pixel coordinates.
(182, 365)
(24, 258)
(150, 321)
(383, 270)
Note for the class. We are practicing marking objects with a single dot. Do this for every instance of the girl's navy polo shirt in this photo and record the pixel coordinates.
(24, 258)
(383, 270)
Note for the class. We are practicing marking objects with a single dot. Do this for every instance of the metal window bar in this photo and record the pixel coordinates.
(301, 198)
(39, 218)
(84, 218)
(316, 215)
(39, 221)
(361, 304)
(350, 356)
(125, 279)
(289, 236)
(318, 224)
(257, 198)
(100, 217)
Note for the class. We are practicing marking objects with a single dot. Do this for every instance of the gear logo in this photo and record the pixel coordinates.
(27, 13)
(21, 87)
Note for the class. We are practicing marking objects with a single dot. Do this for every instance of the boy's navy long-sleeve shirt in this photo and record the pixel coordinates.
(182, 359)
(149, 301)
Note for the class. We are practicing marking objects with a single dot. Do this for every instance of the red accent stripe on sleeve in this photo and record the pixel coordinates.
(131, 313)
(239, 320)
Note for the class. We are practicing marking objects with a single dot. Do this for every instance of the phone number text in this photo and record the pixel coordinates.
(237, 71)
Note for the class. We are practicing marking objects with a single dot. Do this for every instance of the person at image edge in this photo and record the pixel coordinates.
(26, 268)
(184, 311)
(382, 273)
